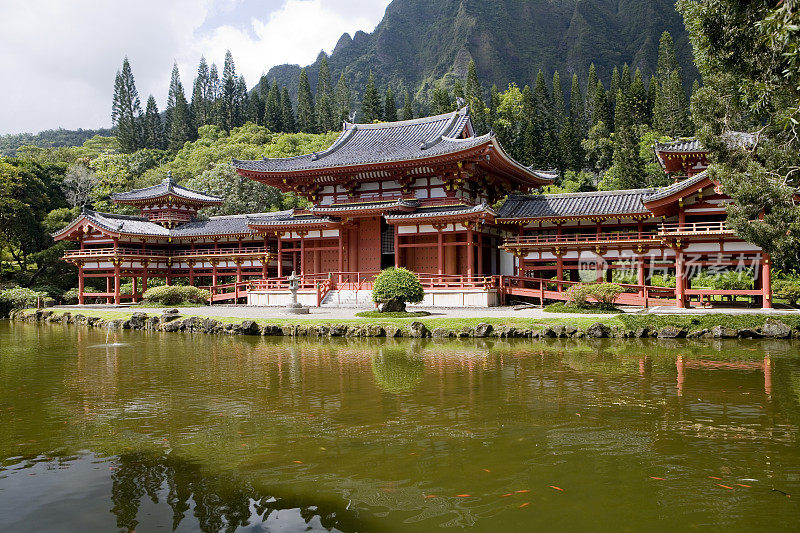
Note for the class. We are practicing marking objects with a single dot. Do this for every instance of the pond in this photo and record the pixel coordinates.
(187, 432)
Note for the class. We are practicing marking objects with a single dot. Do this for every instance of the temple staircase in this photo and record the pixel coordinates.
(348, 298)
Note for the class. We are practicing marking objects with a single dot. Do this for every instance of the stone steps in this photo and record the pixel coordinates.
(348, 298)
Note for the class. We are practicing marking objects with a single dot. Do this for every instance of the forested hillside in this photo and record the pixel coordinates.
(48, 138)
(419, 42)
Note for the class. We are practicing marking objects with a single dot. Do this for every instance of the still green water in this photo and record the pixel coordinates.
(160, 432)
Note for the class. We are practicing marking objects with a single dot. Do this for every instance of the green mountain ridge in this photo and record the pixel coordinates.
(419, 42)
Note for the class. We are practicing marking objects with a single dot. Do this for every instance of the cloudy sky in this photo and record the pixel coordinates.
(58, 57)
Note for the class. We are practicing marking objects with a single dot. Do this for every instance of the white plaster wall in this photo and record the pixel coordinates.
(506, 263)
(280, 298)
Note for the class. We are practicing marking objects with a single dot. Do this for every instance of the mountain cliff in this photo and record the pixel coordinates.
(421, 41)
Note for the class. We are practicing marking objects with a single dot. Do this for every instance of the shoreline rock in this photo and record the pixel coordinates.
(171, 321)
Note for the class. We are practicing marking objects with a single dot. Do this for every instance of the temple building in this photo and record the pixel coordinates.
(429, 195)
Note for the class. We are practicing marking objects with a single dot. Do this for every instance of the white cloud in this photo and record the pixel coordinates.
(58, 58)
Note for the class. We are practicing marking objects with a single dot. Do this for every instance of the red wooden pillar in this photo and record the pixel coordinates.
(302, 254)
(81, 282)
(280, 256)
(766, 281)
(135, 283)
(109, 299)
(341, 254)
(191, 273)
(560, 269)
(238, 272)
(640, 277)
(117, 280)
(470, 252)
(480, 254)
(213, 274)
(397, 246)
(144, 277)
(680, 300)
(440, 251)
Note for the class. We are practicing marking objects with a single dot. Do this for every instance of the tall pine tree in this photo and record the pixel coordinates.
(273, 112)
(153, 128)
(343, 101)
(306, 118)
(671, 110)
(202, 97)
(559, 107)
(126, 110)
(577, 113)
(288, 122)
(637, 99)
(326, 118)
(371, 103)
(591, 92)
(178, 115)
(473, 94)
(602, 110)
(389, 106)
(228, 94)
(627, 169)
(240, 102)
(408, 109)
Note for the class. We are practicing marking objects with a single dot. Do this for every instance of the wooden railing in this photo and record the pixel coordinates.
(695, 228)
(580, 238)
(176, 254)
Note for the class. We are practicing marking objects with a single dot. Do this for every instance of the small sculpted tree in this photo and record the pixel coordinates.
(395, 287)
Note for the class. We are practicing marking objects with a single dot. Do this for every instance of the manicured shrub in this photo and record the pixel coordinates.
(398, 284)
(578, 295)
(176, 294)
(20, 298)
(70, 297)
(606, 293)
(787, 290)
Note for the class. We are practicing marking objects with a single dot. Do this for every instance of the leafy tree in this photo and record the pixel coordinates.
(602, 109)
(397, 284)
(748, 54)
(441, 100)
(599, 147)
(371, 103)
(153, 128)
(306, 119)
(126, 111)
(390, 106)
(79, 181)
(178, 116)
(343, 100)
(242, 195)
(408, 110)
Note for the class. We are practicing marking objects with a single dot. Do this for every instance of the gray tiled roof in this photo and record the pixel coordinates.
(669, 190)
(284, 218)
(597, 203)
(374, 143)
(681, 145)
(131, 225)
(387, 204)
(442, 210)
(167, 186)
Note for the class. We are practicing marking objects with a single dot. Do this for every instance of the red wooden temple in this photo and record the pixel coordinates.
(420, 194)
